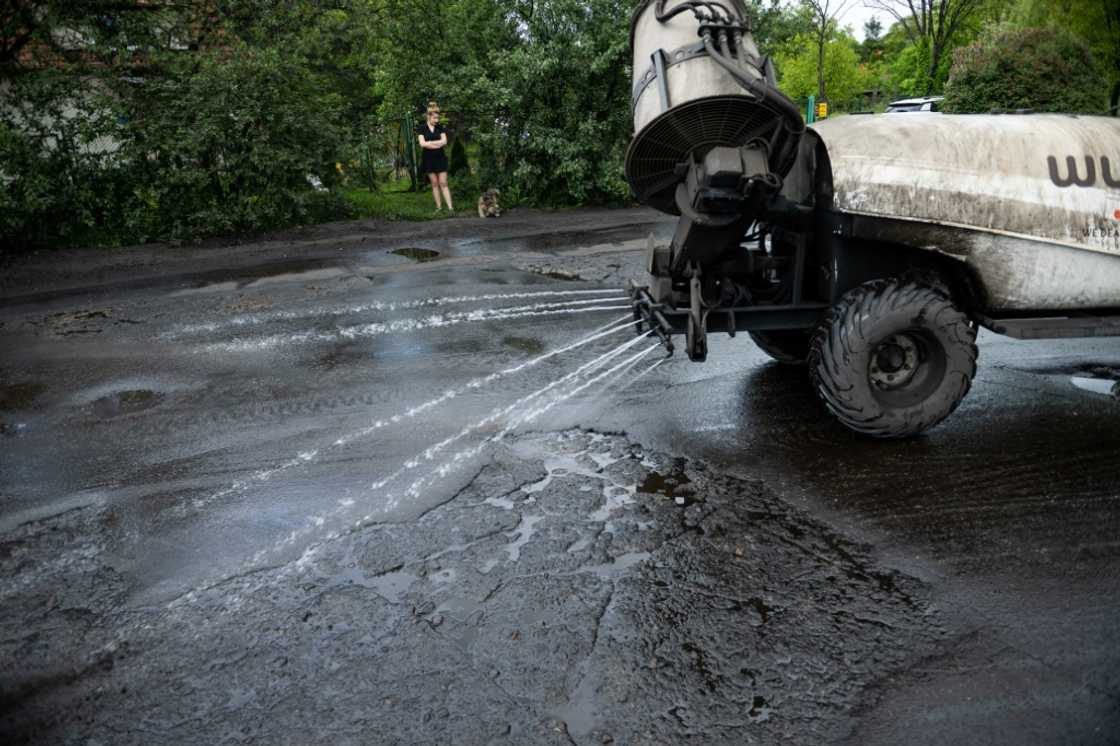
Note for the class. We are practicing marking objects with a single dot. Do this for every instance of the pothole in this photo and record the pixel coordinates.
(554, 273)
(1103, 386)
(10, 429)
(416, 254)
(18, 396)
(1098, 379)
(676, 485)
(126, 402)
(524, 344)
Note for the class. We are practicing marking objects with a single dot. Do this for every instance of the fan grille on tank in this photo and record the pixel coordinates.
(697, 125)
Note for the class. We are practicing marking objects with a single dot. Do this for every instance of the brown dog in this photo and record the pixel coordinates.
(488, 206)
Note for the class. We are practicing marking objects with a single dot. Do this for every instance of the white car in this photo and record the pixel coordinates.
(927, 103)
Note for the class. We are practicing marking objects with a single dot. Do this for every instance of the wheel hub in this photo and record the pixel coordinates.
(894, 362)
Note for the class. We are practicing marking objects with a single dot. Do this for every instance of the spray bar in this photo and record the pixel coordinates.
(664, 320)
(649, 312)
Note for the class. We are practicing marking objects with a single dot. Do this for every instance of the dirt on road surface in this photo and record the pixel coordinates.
(419, 483)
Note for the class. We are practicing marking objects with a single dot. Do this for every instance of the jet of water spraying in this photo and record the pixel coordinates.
(498, 413)
(396, 327)
(264, 475)
(466, 454)
(250, 319)
(447, 467)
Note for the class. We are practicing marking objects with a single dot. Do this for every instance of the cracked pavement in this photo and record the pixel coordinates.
(305, 490)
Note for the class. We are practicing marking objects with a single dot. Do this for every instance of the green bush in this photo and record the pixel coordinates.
(459, 165)
(551, 104)
(60, 183)
(1043, 69)
(232, 144)
(844, 76)
(220, 142)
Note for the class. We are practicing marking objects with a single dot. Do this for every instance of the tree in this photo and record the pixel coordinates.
(559, 144)
(459, 165)
(872, 48)
(844, 77)
(929, 24)
(872, 29)
(1095, 21)
(776, 24)
(1041, 69)
(825, 15)
(127, 120)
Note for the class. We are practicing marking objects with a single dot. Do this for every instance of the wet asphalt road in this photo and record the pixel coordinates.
(307, 490)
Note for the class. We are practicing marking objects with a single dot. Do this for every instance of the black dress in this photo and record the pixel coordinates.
(432, 161)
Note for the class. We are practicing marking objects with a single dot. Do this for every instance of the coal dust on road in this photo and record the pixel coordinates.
(425, 483)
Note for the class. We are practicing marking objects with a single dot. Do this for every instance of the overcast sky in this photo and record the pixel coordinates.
(857, 15)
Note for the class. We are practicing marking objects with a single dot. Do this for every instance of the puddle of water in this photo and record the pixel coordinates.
(617, 566)
(579, 714)
(760, 711)
(525, 344)
(715, 428)
(579, 545)
(1105, 386)
(18, 396)
(78, 322)
(276, 272)
(521, 535)
(762, 610)
(443, 577)
(127, 394)
(553, 273)
(614, 497)
(676, 485)
(538, 486)
(500, 502)
(12, 429)
(416, 254)
(390, 585)
(126, 402)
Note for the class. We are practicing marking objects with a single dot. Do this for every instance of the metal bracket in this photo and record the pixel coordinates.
(684, 54)
(662, 81)
(649, 312)
(1053, 327)
(696, 334)
(658, 67)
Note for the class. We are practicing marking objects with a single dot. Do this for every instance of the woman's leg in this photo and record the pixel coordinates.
(435, 189)
(446, 191)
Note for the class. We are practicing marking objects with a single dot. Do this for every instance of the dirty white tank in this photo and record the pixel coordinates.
(1031, 202)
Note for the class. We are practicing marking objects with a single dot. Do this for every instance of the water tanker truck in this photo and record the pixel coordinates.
(869, 248)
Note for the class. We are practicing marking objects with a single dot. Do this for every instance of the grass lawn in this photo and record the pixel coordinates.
(393, 201)
(397, 203)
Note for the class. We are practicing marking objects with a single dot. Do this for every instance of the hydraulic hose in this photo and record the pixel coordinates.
(727, 50)
(791, 115)
(724, 46)
(694, 5)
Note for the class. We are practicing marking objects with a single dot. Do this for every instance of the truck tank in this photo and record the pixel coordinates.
(1030, 202)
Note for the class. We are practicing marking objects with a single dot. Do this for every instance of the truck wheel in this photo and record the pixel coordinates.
(893, 358)
(789, 347)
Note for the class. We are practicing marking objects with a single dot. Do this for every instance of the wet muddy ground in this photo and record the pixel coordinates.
(414, 484)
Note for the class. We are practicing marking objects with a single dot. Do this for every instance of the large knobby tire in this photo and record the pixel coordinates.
(893, 358)
(788, 347)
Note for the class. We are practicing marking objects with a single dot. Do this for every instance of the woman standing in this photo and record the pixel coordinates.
(433, 139)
